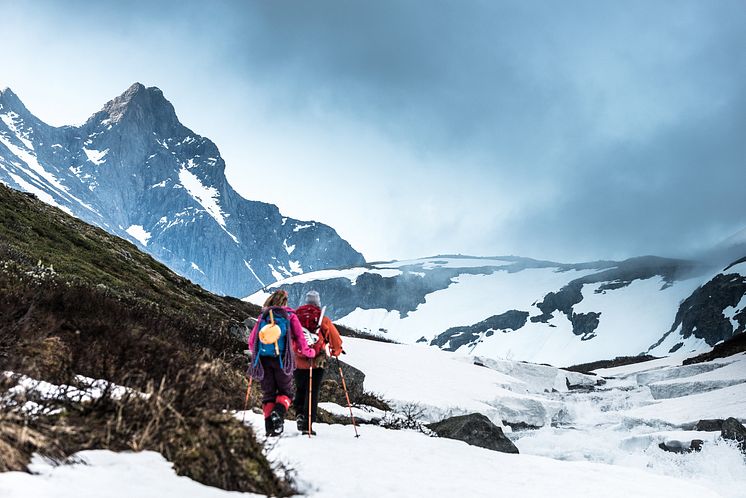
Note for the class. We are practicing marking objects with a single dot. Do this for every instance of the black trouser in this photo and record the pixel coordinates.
(300, 403)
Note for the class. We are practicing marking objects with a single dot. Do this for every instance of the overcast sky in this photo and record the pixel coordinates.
(569, 130)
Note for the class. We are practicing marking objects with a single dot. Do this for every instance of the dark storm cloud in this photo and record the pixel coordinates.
(623, 122)
(609, 128)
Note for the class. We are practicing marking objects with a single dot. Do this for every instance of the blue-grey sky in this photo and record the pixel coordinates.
(566, 130)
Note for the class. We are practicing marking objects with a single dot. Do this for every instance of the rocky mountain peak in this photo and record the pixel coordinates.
(143, 106)
(9, 101)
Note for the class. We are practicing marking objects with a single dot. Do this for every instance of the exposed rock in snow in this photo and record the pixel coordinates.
(734, 431)
(675, 446)
(474, 429)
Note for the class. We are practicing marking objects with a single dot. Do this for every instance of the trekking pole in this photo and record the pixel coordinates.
(310, 398)
(347, 396)
(246, 401)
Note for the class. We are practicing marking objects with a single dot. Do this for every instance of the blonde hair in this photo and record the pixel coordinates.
(277, 298)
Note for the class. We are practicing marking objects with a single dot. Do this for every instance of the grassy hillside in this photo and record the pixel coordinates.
(74, 301)
(67, 281)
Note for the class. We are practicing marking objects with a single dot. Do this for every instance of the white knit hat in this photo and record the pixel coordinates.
(313, 297)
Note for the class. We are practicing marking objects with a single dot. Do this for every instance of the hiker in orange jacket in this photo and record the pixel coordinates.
(323, 337)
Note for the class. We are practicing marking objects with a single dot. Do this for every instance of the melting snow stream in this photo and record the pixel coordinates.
(610, 425)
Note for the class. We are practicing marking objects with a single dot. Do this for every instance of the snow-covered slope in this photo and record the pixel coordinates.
(444, 384)
(104, 473)
(408, 464)
(538, 311)
(600, 440)
(597, 433)
(136, 171)
(383, 463)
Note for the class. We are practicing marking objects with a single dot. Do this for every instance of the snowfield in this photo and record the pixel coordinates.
(336, 465)
(447, 384)
(105, 473)
(633, 307)
(598, 438)
(410, 464)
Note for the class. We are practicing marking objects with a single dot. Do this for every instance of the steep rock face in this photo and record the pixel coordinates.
(455, 337)
(714, 312)
(136, 171)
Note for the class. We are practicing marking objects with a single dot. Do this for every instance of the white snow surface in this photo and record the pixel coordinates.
(740, 269)
(248, 266)
(688, 410)
(207, 197)
(96, 156)
(105, 473)
(731, 311)
(410, 464)
(35, 172)
(599, 443)
(139, 233)
(445, 384)
(365, 413)
(41, 194)
(288, 248)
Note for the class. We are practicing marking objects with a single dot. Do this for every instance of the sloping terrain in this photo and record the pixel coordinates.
(136, 171)
(596, 435)
(156, 358)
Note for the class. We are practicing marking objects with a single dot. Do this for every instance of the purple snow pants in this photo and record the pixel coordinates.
(275, 382)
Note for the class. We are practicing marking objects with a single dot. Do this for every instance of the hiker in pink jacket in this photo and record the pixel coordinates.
(274, 338)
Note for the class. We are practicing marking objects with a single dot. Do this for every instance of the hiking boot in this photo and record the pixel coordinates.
(302, 422)
(277, 420)
(303, 425)
(269, 426)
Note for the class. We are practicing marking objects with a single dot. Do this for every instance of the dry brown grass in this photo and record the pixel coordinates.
(180, 418)
(17, 442)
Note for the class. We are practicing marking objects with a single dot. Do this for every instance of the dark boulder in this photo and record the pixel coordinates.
(354, 378)
(476, 430)
(709, 425)
(735, 431)
(681, 447)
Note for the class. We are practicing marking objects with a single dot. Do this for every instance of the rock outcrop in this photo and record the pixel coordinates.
(476, 430)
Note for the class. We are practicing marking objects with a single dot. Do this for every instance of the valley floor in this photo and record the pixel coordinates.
(381, 462)
(595, 440)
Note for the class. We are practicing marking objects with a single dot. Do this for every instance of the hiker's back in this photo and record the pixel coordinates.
(274, 325)
(309, 316)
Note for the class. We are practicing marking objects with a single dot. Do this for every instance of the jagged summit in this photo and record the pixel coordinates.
(9, 101)
(143, 105)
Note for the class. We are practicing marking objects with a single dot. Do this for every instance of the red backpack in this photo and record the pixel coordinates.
(310, 319)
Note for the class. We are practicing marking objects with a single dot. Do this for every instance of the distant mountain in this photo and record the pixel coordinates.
(538, 311)
(136, 171)
(726, 251)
